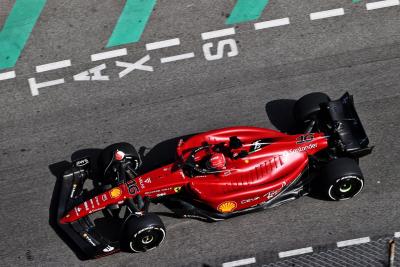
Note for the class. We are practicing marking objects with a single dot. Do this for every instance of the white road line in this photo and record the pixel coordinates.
(271, 23)
(53, 66)
(218, 33)
(382, 4)
(36, 86)
(397, 235)
(295, 252)
(176, 58)
(353, 242)
(109, 54)
(239, 262)
(327, 14)
(163, 44)
(7, 75)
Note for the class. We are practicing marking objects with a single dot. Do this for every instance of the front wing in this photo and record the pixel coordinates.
(82, 232)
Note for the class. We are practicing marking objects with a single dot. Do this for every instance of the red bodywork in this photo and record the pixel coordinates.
(274, 161)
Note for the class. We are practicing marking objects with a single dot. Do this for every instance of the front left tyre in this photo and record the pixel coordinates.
(142, 233)
(105, 161)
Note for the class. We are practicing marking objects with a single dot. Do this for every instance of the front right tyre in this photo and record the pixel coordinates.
(142, 233)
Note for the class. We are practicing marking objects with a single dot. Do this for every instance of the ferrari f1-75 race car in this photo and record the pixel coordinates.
(216, 175)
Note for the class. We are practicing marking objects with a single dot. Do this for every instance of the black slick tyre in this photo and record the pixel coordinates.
(308, 106)
(143, 233)
(341, 179)
(106, 159)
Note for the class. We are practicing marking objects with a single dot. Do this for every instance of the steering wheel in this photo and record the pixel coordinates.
(190, 161)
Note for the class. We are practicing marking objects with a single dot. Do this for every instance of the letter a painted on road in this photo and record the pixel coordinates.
(246, 10)
(17, 29)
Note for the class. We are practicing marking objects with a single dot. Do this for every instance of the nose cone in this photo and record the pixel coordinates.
(66, 219)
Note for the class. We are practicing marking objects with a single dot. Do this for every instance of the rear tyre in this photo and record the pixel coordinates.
(341, 179)
(143, 233)
(307, 107)
(106, 159)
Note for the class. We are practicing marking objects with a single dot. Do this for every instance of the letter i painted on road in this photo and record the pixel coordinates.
(246, 10)
(132, 22)
(17, 29)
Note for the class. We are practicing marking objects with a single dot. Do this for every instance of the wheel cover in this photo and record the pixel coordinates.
(147, 239)
(346, 187)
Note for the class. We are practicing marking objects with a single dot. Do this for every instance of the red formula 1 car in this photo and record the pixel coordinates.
(217, 175)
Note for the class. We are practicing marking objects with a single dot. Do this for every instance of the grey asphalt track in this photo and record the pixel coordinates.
(358, 52)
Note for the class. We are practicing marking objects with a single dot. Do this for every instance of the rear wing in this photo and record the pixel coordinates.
(346, 127)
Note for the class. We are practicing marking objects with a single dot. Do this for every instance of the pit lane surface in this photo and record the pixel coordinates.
(358, 51)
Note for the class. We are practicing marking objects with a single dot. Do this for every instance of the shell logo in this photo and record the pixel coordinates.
(227, 206)
(115, 192)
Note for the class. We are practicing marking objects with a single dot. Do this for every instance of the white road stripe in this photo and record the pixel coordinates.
(176, 58)
(397, 235)
(353, 242)
(327, 14)
(271, 23)
(382, 4)
(239, 262)
(36, 86)
(7, 75)
(218, 33)
(53, 66)
(163, 44)
(295, 252)
(109, 54)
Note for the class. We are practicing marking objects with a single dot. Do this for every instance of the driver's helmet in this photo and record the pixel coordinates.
(217, 161)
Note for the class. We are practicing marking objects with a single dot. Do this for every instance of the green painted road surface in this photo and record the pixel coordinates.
(128, 29)
(247, 10)
(17, 29)
(132, 22)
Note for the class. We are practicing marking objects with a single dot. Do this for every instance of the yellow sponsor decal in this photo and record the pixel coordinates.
(227, 206)
(115, 192)
(177, 189)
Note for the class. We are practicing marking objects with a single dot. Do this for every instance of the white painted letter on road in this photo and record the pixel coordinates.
(93, 74)
(229, 43)
(138, 65)
(36, 86)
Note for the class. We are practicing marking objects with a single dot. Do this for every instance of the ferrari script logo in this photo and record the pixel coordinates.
(227, 206)
(115, 192)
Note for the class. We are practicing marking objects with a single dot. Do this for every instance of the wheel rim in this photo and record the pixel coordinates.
(346, 187)
(147, 239)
